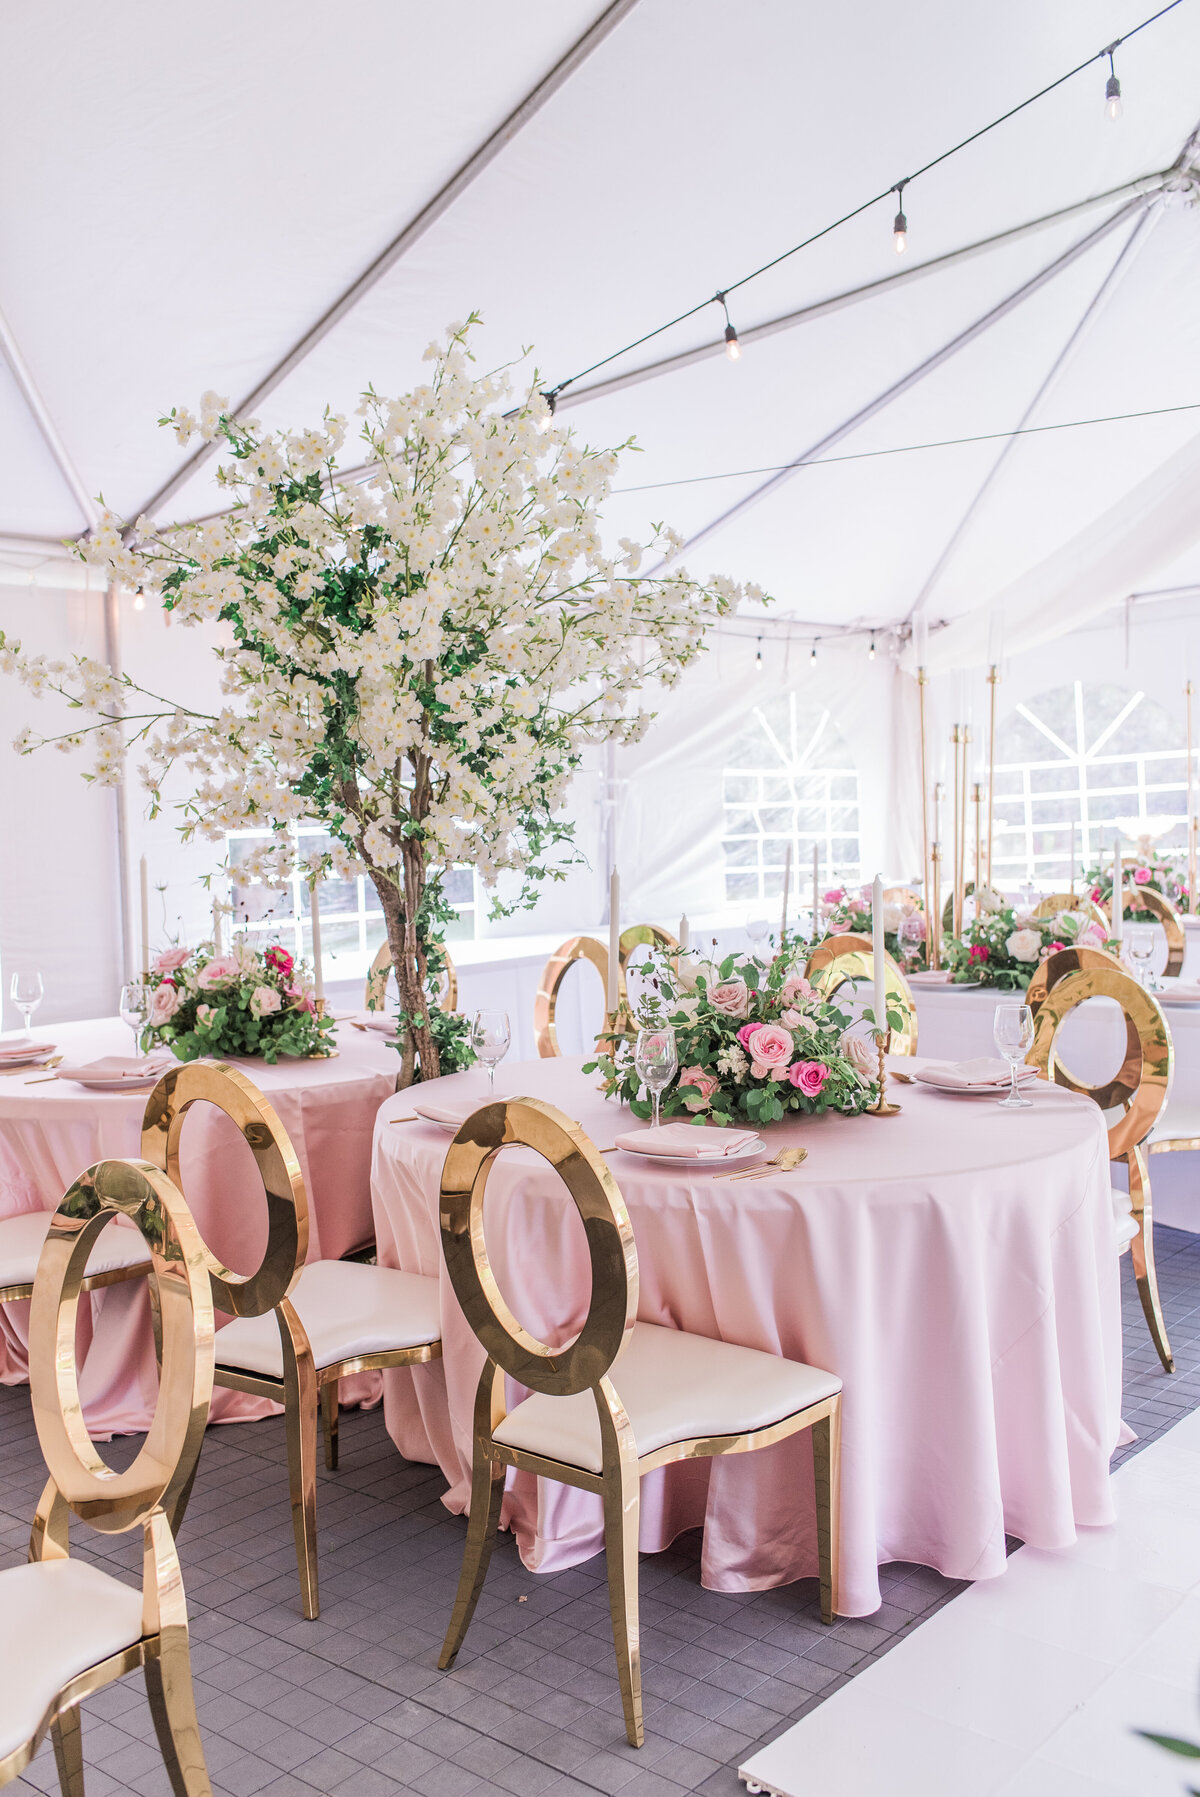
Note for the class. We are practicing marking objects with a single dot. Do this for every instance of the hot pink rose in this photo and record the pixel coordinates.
(1055, 947)
(770, 1049)
(705, 1083)
(978, 952)
(279, 960)
(164, 1004)
(795, 987)
(170, 959)
(222, 970)
(1096, 895)
(1141, 876)
(808, 1077)
(1090, 936)
(745, 1033)
(730, 997)
(835, 895)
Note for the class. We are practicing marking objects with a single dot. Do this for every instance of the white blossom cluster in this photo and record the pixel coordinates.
(420, 650)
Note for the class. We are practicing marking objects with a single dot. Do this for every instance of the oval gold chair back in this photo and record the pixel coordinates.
(375, 996)
(1139, 1091)
(590, 949)
(112, 1502)
(1160, 907)
(1071, 901)
(1064, 961)
(839, 959)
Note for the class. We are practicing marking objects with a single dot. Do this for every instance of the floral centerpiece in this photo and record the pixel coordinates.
(754, 1042)
(415, 651)
(246, 1002)
(845, 911)
(1150, 869)
(1004, 947)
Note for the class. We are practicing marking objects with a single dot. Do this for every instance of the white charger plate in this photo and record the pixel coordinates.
(928, 1085)
(452, 1129)
(138, 1084)
(700, 1160)
(26, 1060)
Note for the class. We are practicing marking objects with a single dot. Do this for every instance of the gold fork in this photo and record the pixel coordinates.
(783, 1162)
(33, 1067)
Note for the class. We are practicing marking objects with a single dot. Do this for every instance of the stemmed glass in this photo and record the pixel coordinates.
(27, 995)
(656, 1061)
(490, 1037)
(756, 929)
(135, 1009)
(911, 935)
(1012, 1028)
(1140, 942)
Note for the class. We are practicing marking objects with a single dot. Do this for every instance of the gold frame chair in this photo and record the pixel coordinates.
(304, 1386)
(375, 995)
(848, 957)
(591, 1365)
(1160, 906)
(116, 1503)
(1071, 901)
(1140, 1087)
(590, 949)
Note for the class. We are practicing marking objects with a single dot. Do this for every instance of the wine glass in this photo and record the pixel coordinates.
(1012, 1028)
(911, 935)
(135, 1009)
(656, 1061)
(756, 929)
(1140, 942)
(27, 995)
(491, 1034)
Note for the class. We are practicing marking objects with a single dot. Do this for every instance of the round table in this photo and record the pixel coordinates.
(954, 1264)
(52, 1130)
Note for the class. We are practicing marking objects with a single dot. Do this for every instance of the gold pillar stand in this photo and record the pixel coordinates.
(955, 839)
(993, 677)
(933, 918)
(881, 1107)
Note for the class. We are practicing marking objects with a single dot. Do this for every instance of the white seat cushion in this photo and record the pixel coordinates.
(21, 1239)
(347, 1309)
(57, 1618)
(674, 1386)
(1124, 1221)
(1177, 1122)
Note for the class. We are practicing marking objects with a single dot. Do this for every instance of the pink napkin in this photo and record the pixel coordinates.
(116, 1068)
(377, 1020)
(688, 1140)
(21, 1051)
(981, 1074)
(455, 1110)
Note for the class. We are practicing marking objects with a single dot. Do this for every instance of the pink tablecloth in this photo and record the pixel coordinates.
(954, 1264)
(50, 1132)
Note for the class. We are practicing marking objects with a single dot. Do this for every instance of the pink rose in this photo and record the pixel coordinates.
(858, 906)
(706, 1084)
(264, 1000)
(205, 1014)
(301, 1000)
(1096, 895)
(1055, 947)
(278, 960)
(839, 929)
(791, 1020)
(808, 1077)
(222, 970)
(835, 895)
(978, 952)
(730, 997)
(164, 1004)
(171, 959)
(794, 987)
(770, 1049)
(745, 1033)
(1141, 876)
(1090, 936)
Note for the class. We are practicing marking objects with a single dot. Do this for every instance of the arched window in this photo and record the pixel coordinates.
(1098, 756)
(789, 778)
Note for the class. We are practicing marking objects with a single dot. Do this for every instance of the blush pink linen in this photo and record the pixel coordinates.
(955, 1266)
(50, 1133)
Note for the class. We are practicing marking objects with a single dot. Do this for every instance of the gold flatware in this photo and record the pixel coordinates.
(41, 1082)
(413, 1119)
(32, 1067)
(783, 1162)
(905, 1079)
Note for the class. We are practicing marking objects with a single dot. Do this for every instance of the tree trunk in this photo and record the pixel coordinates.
(400, 911)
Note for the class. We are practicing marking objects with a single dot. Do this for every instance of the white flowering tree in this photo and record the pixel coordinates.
(416, 653)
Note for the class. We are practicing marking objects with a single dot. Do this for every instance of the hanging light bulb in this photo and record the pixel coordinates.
(1112, 91)
(900, 224)
(733, 348)
(812, 660)
(758, 656)
(139, 600)
(546, 418)
(871, 650)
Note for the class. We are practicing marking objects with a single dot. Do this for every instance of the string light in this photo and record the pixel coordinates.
(900, 229)
(733, 348)
(871, 650)
(900, 224)
(139, 600)
(551, 399)
(1112, 90)
(758, 656)
(812, 660)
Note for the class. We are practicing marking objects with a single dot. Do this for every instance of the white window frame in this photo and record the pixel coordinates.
(839, 816)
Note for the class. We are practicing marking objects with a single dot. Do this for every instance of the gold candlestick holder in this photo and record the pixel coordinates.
(881, 1107)
(319, 1006)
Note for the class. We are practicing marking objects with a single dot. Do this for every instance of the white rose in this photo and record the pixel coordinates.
(862, 1056)
(264, 1000)
(1024, 945)
(892, 915)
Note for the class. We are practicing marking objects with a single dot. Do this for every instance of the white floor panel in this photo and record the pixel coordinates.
(1033, 1684)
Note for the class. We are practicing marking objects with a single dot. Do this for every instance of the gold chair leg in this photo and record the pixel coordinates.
(329, 1421)
(178, 1494)
(300, 1421)
(487, 1495)
(621, 1517)
(1141, 1250)
(827, 1471)
(67, 1735)
(173, 1707)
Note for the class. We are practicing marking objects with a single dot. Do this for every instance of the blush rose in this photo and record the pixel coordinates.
(705, 1083)
(170, 960)
(222, 970)
(164, 1004)
(730, 997)
(770, 1049)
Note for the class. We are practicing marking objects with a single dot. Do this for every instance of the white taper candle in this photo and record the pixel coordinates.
(787, 881)
(614, 942)
(684, 931)
(216, 924)
(816, 905)
(144, 880)
(877, 955)
(318, 971)
(1118, 895)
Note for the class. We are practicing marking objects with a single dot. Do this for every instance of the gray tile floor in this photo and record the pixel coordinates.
(354, 1704)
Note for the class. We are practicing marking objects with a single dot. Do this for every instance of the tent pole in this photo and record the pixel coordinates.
(41, 415)
(413, 231)
(112, 655)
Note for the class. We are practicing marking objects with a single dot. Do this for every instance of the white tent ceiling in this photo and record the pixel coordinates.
(189, 192)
